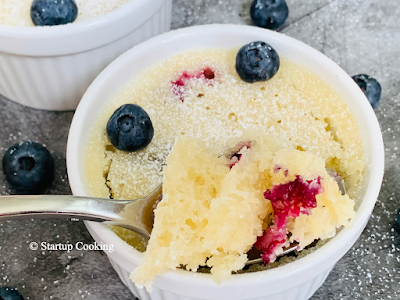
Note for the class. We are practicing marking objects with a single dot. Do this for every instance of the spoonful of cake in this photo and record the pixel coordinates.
(136, 215)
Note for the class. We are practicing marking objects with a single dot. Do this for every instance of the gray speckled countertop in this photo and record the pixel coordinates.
(362, 36)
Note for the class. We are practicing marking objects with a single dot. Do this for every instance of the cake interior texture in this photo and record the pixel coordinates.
(213, 212)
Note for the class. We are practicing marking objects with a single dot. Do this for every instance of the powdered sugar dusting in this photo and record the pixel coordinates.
(294, 104)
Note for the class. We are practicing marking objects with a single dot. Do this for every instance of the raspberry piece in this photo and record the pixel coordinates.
(179, 85)
(288, 200)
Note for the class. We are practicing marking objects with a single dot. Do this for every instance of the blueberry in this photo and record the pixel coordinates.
(398, 218)
(7, 293)
(257, 61)
(28, 167)
(53, 12)
(370, 86)
(130, 128)
(269, 14)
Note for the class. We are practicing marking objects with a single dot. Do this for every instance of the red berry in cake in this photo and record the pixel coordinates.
(179, 85)
(257, 61)
(208, 73)
(235, 157)
(288, 200)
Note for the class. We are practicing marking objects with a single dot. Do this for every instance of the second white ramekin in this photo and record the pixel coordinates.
(295, 281)
(51, 67)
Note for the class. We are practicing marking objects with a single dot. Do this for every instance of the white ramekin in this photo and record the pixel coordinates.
(297, 280)
(51, 67)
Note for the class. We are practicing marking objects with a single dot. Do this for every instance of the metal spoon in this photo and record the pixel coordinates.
(135, 215)
(338, 179)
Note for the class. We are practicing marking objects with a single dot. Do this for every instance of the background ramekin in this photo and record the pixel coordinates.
(51, 67)
(297, 280)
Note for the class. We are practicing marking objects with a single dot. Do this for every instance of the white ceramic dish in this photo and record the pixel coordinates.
(297, 280)
(51, 67)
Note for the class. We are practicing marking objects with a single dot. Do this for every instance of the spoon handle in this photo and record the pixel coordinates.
(65, 206)
(136, 215)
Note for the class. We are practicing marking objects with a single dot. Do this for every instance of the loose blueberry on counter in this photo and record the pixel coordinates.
(269, 14)
(28, 167)
(257, 61)
(398, 218)
(370, 86)
(7, 293)
(130, 128)
(53, 12)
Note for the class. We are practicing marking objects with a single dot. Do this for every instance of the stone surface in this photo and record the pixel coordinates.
(362, 36)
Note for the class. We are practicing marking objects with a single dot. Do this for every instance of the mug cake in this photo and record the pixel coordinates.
(230, 151)
(168, 77)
